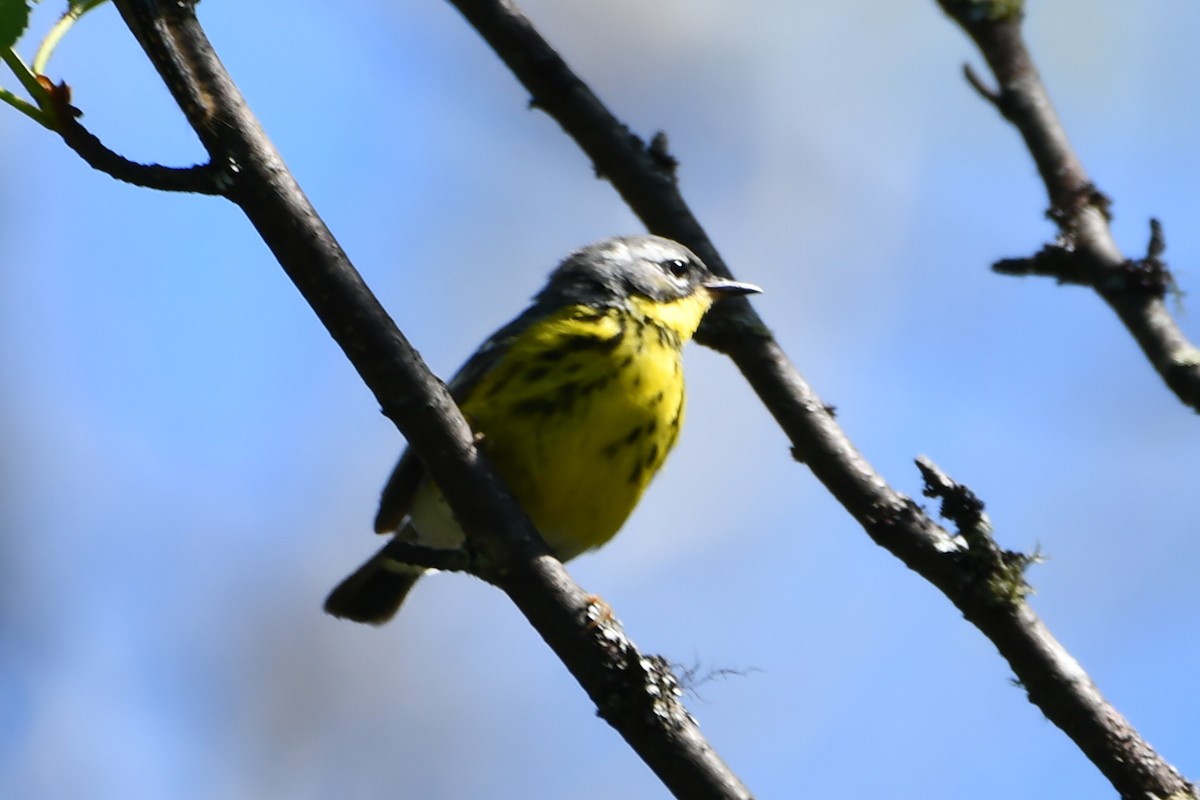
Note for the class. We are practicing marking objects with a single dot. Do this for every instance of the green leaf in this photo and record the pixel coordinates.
(14, 18)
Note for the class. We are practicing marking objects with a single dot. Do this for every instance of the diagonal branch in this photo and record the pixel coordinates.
(634, 693)
(1086, 252)
(644, 177)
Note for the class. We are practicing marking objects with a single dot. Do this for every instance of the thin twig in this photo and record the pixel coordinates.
(201, 178)
(53, 110)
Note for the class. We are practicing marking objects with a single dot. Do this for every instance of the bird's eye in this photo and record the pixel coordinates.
(676, 266)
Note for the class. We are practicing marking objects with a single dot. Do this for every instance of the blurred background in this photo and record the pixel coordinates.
(188, 463)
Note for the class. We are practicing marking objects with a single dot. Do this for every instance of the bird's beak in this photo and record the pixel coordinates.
(720, 287)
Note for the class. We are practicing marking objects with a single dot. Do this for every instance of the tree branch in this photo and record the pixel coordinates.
(632, 692)
(1086, 252)
(201, 178)
(644, 177)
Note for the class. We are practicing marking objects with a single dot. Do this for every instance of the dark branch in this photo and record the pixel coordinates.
(1076, 206)
(1055, 682)
(628, 688)
(1149, 276)
(1085, 254)
(201, 178)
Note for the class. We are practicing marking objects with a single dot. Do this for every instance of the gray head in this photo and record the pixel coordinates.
(611, 271)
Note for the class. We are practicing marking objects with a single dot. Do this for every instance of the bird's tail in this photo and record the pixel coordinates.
(374, 592)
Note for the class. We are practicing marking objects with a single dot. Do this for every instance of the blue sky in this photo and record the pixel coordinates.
(190, 463)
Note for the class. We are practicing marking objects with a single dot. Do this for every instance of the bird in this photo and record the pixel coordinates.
(576, 403)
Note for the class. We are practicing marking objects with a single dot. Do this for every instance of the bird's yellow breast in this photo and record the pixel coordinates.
(581, 411)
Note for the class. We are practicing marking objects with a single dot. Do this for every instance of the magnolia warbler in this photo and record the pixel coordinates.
(576, 402)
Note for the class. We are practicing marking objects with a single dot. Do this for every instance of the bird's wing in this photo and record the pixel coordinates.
(406, 478)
